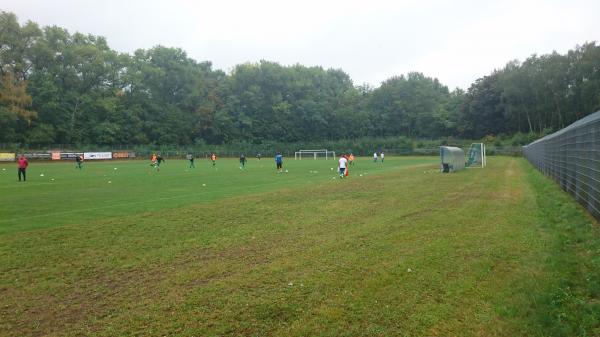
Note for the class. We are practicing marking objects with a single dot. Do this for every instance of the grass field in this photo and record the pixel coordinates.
(398, 251)
(65, 195)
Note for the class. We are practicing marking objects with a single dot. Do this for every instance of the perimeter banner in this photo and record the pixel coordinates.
(120, 154)
(97, 155)
(6, 156)
(37, 155)
(70, 155)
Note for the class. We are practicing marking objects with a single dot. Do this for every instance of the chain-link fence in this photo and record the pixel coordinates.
(571, 157)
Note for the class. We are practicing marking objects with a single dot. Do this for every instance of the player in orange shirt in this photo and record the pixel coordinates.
(213, 157)
(351, 159)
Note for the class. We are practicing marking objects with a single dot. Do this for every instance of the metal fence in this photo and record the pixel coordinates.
(571, 157)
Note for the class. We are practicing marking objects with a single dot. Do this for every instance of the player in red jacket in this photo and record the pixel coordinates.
(23, 163)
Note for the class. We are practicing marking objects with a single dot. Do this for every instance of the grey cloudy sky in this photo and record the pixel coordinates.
(455, 41)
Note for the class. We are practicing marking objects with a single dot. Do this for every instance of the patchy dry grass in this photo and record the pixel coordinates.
(493, 252)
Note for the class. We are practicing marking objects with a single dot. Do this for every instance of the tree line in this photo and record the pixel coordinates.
(63, 88)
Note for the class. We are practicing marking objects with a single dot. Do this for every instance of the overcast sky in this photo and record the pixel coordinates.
(455, 41)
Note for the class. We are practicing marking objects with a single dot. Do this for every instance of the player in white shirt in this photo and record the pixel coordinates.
(342, 164)
(382, 156)
(374, 157)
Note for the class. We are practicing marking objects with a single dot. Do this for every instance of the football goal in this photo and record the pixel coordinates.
(476, 155)
(314, 154)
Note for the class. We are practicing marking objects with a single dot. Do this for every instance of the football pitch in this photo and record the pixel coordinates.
(395, 249)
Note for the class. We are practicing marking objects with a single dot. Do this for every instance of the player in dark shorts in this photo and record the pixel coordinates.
(279, 162)
(22, 163)
(242, 161)
(190, 157)
(159, 159)
(79, 161)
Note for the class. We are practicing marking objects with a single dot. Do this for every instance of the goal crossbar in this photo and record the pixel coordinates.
(316, 154)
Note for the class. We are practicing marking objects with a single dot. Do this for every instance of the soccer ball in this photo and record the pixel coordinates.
(203, 184)
(110, 182)
(115, 168)
(286, 171)
(41, 175)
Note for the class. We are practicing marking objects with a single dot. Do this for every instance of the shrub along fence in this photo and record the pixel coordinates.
(8, 152)
(360, 147)
(571, 157)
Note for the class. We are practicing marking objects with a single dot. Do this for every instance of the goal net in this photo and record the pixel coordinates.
(476, 155)
(314, 154)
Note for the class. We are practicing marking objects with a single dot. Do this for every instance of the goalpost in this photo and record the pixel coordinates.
(315, 154)
(476, 155)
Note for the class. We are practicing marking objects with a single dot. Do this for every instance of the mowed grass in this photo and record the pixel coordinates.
(401, 251)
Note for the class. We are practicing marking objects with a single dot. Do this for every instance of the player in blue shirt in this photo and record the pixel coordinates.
(279, 162)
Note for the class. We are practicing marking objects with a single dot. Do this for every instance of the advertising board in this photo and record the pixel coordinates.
(97, 155)
(7, 156)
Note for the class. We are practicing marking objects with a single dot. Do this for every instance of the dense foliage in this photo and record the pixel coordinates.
(544, 93)
(57, 87)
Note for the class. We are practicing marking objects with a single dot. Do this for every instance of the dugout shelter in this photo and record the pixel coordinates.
(452, 159)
